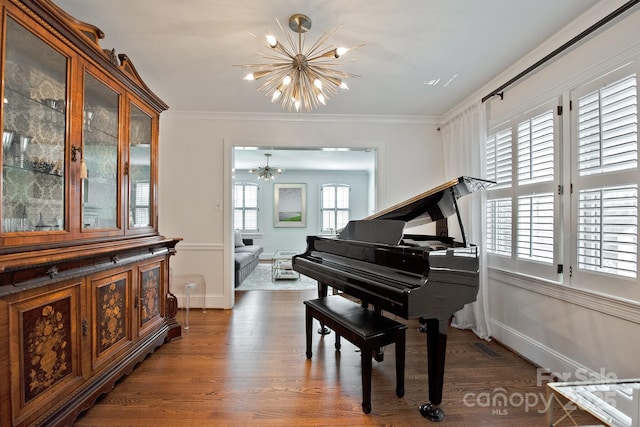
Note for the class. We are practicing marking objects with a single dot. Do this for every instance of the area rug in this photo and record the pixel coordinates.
(260, 279)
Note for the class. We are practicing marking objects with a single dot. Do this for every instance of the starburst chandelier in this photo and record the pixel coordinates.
(297, 76)
(266, 172)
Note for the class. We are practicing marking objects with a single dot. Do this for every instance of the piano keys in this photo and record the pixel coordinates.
(427, 277)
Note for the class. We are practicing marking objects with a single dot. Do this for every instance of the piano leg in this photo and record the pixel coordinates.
(436, 350)
(322, 292)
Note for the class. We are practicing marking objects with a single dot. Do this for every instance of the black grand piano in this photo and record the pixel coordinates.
(428, 277)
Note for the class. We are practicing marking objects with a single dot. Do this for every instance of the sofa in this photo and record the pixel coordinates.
(246, 257)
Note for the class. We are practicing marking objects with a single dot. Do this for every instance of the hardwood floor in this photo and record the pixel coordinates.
(247, 366)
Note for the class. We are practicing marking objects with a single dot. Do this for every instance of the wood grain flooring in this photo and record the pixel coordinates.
(247, 367)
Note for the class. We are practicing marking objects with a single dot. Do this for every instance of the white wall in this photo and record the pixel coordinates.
(195, 173)
(559, 327)
(294, 238)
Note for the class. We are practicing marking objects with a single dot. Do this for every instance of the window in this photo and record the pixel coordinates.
(245, 206)
(520, 209)
(535, 171)
(335, 207)
(499, 202)
(605, 180)
(586, 234)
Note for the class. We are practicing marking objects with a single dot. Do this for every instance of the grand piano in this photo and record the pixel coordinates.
(428, 277)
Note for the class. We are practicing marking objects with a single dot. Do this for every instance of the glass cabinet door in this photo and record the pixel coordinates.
(33, 138)
(140, 188)
(100, 154)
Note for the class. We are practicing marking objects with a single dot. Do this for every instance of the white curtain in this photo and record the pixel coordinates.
(464, 154)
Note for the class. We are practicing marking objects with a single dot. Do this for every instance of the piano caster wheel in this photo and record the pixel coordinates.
(323, 330)
(309, 354)
(366, 408)
(378, 356)
(431, 412)
(400, 392)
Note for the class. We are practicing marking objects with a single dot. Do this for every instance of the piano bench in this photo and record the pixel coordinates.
(365, 329)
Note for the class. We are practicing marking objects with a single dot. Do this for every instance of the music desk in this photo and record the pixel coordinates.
(612, 402)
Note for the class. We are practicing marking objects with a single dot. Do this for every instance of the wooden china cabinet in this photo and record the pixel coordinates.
(84, 273)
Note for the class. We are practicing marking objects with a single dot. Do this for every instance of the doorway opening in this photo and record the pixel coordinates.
(260, 207)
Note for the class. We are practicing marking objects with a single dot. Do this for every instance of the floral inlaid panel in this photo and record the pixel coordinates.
(150, 307)
(46, 341)
(111, 314)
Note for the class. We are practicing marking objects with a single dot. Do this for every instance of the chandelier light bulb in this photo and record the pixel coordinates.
(256, 75)
(287, 79)
(273, 42)
(276, 95)
(343, 85)
(341, 51)
(317, 83)
(321, 99)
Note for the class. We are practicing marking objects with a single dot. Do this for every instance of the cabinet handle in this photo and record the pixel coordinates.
(115, 259)
(85, 328)
(52, 272)
(74, 152)
(126, 168)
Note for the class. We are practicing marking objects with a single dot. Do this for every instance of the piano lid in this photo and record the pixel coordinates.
(432, 205)
(435, 204)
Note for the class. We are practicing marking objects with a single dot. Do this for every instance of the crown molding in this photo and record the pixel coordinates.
(299, 117)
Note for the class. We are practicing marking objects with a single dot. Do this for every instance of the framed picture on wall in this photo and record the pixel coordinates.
(290, 205)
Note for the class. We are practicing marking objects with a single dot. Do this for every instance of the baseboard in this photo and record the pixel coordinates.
(553, 366)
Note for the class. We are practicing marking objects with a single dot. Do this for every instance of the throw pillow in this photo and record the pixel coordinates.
(238, 239)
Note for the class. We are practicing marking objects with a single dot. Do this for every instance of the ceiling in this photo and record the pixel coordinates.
(186, 50)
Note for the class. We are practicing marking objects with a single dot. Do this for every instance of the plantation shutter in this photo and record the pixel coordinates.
(608, 128)
(535, 228)
(606, 182)
(499, 158)
(521, 213)
(535, 165)
(245, 206)
(608, 229)
(499, 226)
(499, 211)
(535, 149)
